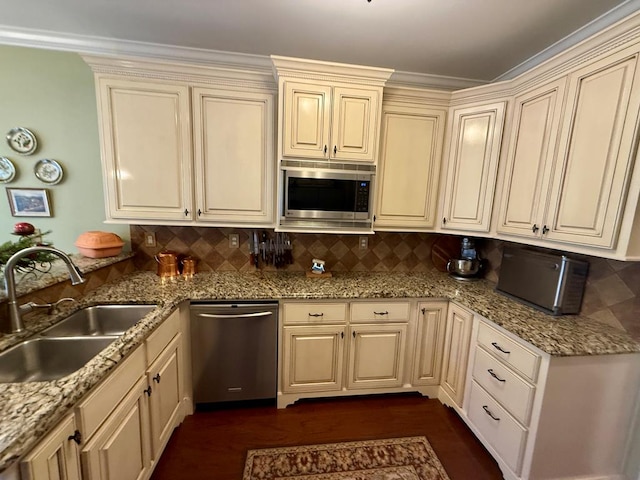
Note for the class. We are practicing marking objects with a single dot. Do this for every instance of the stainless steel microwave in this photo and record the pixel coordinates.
(328, 195)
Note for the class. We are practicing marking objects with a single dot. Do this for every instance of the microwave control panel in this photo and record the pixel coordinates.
(362, 197)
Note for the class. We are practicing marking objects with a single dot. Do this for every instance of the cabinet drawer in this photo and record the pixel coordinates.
(379, 312)
(509, 351)
(509, 389)
(162, 335)
(314, 313)
(498, 428)
(94, 409)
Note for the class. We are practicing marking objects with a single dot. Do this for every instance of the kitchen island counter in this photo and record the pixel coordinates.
(29, 410)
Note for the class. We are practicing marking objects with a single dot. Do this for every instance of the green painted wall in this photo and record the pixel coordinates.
(52, 94)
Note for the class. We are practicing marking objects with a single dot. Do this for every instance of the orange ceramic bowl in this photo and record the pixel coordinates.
(96, 244)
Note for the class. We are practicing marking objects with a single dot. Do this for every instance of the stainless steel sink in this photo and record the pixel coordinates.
(99, 320)
(45, 359)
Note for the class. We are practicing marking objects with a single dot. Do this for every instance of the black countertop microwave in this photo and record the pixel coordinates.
(328, 195)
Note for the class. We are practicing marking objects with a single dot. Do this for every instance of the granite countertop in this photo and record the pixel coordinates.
(29, 410)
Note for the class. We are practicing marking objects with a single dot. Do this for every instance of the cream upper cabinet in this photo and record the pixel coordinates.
(306, 120)
(411, 144)
(530, 159)
(145, 131)
(456, 353)
(326, 122)
(234, 156)
(328, 111)
(473, 154)
(55, 457)
(596, 152)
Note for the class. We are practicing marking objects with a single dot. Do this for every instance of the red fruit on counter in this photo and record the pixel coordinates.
(23, 228)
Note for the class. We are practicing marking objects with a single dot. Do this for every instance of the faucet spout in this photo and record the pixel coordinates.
(15, 313)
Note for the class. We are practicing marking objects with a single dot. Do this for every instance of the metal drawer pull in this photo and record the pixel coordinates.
(157, 378)
(491, 372)
(488, 412)
(498, 347)
(316, 314)
(381, 313)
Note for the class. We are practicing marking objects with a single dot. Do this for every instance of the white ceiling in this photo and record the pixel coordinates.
(471, 39)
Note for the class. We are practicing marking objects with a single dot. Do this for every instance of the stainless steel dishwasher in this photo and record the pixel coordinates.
(234, 351)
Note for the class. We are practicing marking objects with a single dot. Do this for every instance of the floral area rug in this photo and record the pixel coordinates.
(410, 458)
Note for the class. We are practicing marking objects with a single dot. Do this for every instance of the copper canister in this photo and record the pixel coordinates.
(167, 264)
(188, 266)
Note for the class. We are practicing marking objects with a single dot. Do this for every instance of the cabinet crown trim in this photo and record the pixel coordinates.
(329, 71)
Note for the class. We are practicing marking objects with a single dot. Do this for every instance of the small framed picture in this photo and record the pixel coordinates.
(29, 202)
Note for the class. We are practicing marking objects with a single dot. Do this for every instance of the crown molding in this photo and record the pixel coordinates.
(92, 45)
(423, 80)
(331, 71)
(593, 28)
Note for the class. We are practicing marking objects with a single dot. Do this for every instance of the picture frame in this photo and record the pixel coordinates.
(29, 202)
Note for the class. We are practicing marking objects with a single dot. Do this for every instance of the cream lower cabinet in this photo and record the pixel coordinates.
(545, 417)
(411, 144)
(456, 352)
(127, 420)
(120, 449)
(472, 156)
(330, 349)
(312, 347)
(234, 156)
(430, 336)
(56, 457)
(165, 379)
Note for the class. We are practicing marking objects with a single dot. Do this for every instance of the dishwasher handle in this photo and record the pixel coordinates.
(238, 315)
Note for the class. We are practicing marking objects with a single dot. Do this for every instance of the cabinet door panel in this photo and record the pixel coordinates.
(146, 149)
(376, 356)
(307, 113)
(530, 160)
(595, 155)
(312, 358)
(355, 116)
(55, 458)
(120, 448)
(409, 170)
(233, 134)
(164, 377)
(456, 352)
(427, 367)
(473, 162)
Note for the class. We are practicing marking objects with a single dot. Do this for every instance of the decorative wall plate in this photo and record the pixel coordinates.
(7, 170)
(48, 171)
(22, 141)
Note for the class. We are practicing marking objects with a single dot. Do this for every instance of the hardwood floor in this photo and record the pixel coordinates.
(212, 444)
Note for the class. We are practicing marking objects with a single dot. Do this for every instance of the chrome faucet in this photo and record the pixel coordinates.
(15, 310)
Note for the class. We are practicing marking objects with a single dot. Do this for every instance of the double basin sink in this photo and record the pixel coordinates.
(68, 345)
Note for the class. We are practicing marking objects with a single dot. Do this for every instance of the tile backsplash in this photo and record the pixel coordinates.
(612, 293)
(386, 252)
